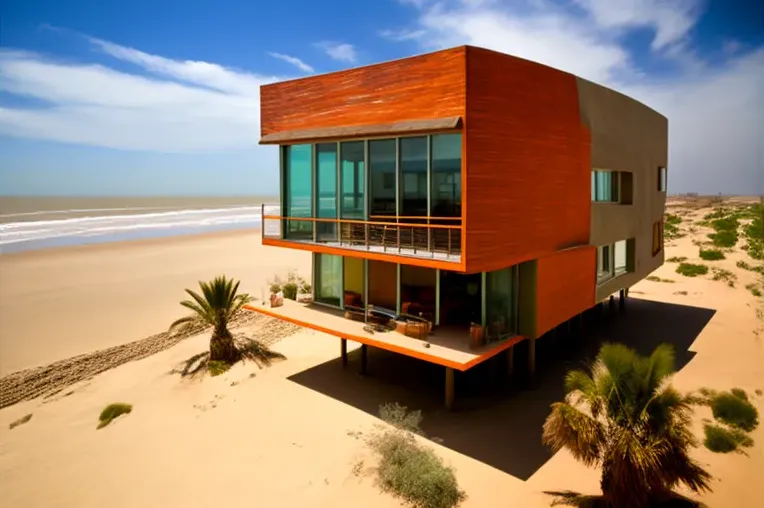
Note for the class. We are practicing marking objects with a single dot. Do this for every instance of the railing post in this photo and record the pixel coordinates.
(413, 243)
(448, 249)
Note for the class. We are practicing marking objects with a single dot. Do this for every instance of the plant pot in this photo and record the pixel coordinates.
(477, 336)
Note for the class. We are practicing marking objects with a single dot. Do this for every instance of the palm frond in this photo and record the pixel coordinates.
(661, 365)
(204, 304)
(203, 314)
(185, 323)
(568, 427)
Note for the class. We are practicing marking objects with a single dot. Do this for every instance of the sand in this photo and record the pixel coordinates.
(106, 295)
(283, 435)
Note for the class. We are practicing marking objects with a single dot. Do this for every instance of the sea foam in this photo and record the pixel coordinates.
(130, 225)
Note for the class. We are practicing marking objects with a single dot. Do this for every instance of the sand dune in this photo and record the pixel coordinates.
(284, 435)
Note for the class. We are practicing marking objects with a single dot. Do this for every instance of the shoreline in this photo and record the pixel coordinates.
(115, 244)
(60, 302)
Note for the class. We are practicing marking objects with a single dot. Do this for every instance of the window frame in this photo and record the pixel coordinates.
(604, 274)
(662, 179)
(615, 186)
(657, 237)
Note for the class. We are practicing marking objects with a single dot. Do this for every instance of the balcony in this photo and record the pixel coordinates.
(437, 238)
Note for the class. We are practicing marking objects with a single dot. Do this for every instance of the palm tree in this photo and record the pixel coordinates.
(624, 415)
(215, 307)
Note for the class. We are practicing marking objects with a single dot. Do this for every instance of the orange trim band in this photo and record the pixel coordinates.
(391, 347)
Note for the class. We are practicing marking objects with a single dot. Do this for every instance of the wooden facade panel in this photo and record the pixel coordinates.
(418, 88)
(565, 286)
(526, 181)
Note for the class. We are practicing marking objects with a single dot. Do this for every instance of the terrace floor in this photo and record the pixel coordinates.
(448, 347)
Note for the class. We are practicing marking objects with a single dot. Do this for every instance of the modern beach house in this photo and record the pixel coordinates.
(460, 202)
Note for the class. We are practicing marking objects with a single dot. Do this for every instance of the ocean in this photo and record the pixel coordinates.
(30, 223)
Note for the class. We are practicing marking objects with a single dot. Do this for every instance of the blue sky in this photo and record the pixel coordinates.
(161, 97)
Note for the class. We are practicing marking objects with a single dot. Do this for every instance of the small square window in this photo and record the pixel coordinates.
(657, 237)
(662, 179)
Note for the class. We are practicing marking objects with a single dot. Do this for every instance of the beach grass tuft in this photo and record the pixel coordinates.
(407, 469)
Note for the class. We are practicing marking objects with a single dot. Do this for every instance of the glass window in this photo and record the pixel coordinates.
(413, 170)
(381, 177)
(500, 303)
(657, 237)
(662, 179)
(620, 257)
(446, 179)
(353, 168)
(328, 272)
(326, 190)
(604, 263)
(298, 191)
(605, 186)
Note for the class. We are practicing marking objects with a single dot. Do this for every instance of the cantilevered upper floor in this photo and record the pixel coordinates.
(464, 159)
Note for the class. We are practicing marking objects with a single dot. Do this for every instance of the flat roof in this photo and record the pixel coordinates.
(448, 347)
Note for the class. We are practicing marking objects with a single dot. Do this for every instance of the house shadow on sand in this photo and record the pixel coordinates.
(495, 420)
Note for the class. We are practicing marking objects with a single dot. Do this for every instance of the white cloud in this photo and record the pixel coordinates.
(340, 51)
(402, 35)
(181, 106)
(716, 136)
(292, 60)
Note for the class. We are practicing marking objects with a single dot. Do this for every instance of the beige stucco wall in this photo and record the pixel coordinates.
(626, 136)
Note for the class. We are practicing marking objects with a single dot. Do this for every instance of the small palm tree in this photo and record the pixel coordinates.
(623, 415)
(215, 307)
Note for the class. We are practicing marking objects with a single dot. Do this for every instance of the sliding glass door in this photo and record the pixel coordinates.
(328, 279)
(298, 191)
(326, 191)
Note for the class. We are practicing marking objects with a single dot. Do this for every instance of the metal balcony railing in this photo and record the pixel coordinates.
(435, 237)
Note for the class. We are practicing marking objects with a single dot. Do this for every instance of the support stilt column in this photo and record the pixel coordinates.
(344, 351)
(622, 300)
(449, 388)
(511, 361)
(611, 304)
(364, 357)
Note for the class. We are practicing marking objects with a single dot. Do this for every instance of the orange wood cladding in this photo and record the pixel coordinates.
(423, 87)
(565, 286)
(526, 179)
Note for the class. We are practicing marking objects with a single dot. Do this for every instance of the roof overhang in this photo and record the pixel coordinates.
(361, 131)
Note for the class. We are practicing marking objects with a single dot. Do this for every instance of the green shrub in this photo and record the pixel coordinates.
(751, 268)
(723, 440)
(653, 278)
(735, 411)
(711, 254)
(725, 224)
(113, 411)
(718, 213)
(723, 238)
(670, 218)
(754, 289)
(216, 367)
(739, 393)
(676, 259)
(691, 269)
(408, 470)
(293, 286)
(725, 275)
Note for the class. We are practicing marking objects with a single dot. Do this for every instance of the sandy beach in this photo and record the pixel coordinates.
(284, 435)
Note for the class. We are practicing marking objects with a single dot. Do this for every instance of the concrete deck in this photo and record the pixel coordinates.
(448, 347)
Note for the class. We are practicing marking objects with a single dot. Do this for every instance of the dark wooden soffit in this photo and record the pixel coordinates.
(358, 131)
